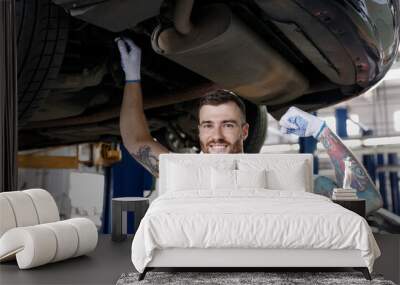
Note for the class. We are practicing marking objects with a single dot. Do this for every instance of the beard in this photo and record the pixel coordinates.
(236, 147)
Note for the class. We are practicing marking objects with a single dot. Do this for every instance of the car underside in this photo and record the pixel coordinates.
(274, 54)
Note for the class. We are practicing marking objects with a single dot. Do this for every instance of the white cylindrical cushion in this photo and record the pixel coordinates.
(23, 208)
(33, 246)
(67, 239)
(87, 234)
(40, 244)
(45, 205)
(7, 218)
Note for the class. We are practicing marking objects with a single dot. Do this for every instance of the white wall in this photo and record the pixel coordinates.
(86, 195)
(77, 192)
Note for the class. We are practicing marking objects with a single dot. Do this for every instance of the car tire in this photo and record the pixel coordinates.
(42, 31)
(257, 117)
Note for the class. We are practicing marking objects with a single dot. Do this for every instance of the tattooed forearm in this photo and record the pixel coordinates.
(337, 152)
(147, 158)
(361, 181)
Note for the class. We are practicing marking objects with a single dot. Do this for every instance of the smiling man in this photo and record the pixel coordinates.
(223, 128)
(222, 123)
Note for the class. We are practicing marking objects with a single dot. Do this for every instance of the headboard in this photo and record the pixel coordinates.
(247, 159)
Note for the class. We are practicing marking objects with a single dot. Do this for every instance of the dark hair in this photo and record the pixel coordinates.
(222, 96)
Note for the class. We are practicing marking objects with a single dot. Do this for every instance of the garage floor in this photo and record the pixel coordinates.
(389, 262)
(111, 259)
(103, 266)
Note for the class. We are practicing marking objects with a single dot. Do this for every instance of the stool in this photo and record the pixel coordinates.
(138, 205)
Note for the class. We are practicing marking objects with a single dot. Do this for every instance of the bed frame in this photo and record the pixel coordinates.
(240, 259)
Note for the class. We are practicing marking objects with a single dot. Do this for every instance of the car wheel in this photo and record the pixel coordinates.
(177, 140)
(258, 121)
(42, 30)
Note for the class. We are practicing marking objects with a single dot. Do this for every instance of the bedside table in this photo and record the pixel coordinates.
(137, 205)
(357, 206)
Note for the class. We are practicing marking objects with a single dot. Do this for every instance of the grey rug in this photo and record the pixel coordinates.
(270, 278)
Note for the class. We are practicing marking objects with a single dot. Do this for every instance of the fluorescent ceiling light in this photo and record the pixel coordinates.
(396, 119)
(382, 141)
(323, 155)
(280, 148)
(275, 131)
(352, 143)
(392, 74)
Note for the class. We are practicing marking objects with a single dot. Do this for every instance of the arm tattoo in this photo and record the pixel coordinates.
(148, 159)
(361, 181)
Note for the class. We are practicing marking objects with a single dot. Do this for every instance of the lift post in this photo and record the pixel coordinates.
(126, 178)
(341, 122)
(8, 97)
(394, 183)
(382, 180)
(309, 145)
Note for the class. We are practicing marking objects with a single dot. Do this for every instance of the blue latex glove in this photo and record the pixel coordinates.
(303, 124)
(130, 60)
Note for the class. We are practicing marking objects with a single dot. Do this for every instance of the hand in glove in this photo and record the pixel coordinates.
(303, 124)
(130, 60)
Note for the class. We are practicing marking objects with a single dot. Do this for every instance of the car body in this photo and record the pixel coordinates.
(274, 54)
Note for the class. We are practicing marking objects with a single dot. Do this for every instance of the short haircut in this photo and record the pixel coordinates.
(222, 96)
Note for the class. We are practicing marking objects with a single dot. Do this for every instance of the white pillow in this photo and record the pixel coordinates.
(183, 177)
(282, 174)
(251, 178)
(293, 180)
(187, 176)
(223, 179)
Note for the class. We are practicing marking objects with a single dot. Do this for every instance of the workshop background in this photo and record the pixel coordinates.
(94, 173)
(83, 178)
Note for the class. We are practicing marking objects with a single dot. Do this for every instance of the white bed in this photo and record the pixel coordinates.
(197, 224)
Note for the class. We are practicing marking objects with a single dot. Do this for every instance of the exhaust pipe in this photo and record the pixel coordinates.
(220, 47)
(182, 13)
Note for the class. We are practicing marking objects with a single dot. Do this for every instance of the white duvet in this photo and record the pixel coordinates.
(257, 218)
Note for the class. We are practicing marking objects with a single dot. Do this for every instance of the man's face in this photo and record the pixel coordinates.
(221, 129)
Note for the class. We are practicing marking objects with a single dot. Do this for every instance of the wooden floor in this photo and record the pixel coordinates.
(111, 259)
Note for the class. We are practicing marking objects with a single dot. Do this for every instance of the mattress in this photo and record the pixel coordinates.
(251, 218)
